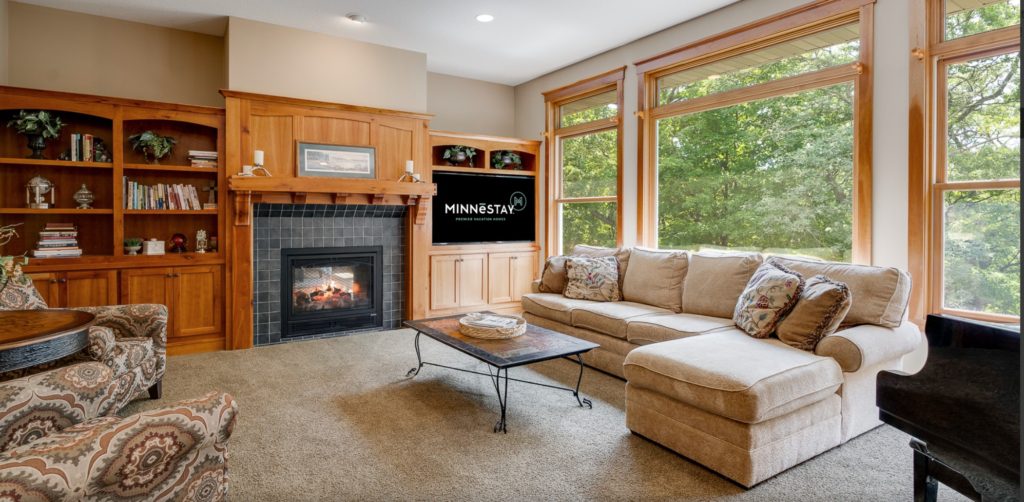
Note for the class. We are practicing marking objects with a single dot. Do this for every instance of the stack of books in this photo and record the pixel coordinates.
(57, 240)
(81, 147)
(160, 196)
(203, 158)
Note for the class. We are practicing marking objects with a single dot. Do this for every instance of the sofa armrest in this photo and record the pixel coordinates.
(867, 345)
(171, 453)
(535, 286)
(142, 320)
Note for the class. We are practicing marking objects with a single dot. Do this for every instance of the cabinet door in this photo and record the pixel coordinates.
(89, 288)
(444, 282)
(149, 285)
(48, 286)
(499, 277)
(472, 280)
(524, 272)
(197, 301)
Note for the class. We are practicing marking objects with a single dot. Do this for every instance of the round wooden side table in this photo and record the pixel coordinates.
(31, 337)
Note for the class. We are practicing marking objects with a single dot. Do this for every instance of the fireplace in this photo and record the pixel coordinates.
(334, 289)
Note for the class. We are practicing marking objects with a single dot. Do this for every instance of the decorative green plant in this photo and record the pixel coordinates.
(38, 127)
(152, 145)
(506, 159)
(41, 123)
(130, 242)
(457, 154)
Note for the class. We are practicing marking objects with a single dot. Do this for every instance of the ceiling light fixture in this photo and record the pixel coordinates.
(485, 18)
(356, 18)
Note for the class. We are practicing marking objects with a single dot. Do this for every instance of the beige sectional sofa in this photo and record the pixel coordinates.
(747, 408)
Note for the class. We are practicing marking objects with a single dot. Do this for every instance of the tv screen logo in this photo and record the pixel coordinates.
(517, 201)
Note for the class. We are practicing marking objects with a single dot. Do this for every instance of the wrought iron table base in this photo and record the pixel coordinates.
(499, 388)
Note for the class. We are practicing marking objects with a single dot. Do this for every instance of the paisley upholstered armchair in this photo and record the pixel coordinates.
(130, 339)
(56, 444)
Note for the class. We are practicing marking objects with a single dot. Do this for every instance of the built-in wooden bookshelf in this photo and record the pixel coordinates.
(102, 229)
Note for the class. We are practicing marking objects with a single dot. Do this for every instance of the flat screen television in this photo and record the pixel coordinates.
(476, 208)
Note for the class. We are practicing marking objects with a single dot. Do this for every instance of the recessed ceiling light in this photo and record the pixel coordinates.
(485, 18)
(356, 18)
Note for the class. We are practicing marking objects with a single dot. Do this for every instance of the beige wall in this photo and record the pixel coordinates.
(282, 61)
(3, 41)
(65, 51)
(467, 105)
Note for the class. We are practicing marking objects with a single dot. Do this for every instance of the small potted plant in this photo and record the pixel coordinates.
(152, 145)
(506, 159)
(132, 245)
(38, 127)
(458, 154)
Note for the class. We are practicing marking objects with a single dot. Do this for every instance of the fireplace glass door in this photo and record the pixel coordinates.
(330, 289)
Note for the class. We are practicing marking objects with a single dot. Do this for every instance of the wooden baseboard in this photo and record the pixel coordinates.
(195, 345)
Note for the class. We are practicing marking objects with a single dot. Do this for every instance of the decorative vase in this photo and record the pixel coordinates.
(459, 157)
(150, 158)
(37, 144)
(84, 197)
(132, 250)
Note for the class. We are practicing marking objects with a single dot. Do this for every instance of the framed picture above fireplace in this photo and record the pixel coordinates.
(336, 161)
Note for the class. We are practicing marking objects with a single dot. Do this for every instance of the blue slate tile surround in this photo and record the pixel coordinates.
(277, 226)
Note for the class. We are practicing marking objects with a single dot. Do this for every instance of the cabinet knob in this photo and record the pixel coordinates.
(169, 275)
(62, 280)
(53, 281)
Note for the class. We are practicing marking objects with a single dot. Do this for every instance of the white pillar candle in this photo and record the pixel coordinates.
(409, 167)
(257, 157)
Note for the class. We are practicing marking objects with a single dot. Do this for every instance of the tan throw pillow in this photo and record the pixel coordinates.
(772, 292)
(822, 306)
(880, 294)
(620, 254)
(552, 279)
(714, 282)
(594, 279)
(655, 278)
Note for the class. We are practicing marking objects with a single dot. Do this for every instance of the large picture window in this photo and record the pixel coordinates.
(763, 146)
(971, 204)
(584, 159)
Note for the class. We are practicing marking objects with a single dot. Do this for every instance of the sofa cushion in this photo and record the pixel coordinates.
(662, 328)
(822, 305)
(19, 293)
(772, 292)
(592, 279)
(621, 256)
(714, 282)
(552, 279)
(880, 294)
(552, 306)
(655, 278)
(733, 375)
(611, 319)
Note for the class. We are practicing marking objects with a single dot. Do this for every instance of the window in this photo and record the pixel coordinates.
(971, 162)
(583, 185)
(758, 147)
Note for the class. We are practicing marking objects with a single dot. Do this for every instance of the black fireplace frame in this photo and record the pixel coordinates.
(321, 322)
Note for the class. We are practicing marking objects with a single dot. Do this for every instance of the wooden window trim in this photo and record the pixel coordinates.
(930, 54)
(786, 25)
(553, 100)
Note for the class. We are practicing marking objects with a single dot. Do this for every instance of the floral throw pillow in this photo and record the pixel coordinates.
(770, 294)
(592, 279)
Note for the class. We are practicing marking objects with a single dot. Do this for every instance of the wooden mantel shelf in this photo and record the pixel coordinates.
(263, 184)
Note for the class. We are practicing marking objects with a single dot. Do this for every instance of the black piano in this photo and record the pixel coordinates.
(962, 409)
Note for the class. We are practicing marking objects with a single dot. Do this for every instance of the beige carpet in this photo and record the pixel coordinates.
(336, 419)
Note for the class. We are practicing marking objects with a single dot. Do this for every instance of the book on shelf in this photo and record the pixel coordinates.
(203, 158)
(83, 147)
(60, 226)
(56, 253)
(160, 196)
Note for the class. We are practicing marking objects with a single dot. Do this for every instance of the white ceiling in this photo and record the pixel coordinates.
(528, 38)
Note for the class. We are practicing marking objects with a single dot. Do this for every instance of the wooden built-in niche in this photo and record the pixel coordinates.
(275, 125)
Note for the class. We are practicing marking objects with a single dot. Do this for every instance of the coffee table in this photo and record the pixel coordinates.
(536, 345)
(31, 337)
